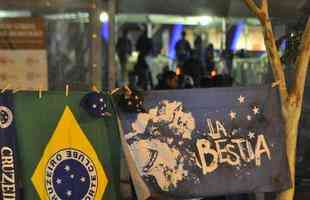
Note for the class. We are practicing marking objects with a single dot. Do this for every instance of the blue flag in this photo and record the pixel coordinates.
(9, 175)
(209, 142)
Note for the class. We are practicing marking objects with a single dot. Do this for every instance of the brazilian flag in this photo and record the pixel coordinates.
(65, 153)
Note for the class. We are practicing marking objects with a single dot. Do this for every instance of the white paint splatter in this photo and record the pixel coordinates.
(154, 157)
(165, 168)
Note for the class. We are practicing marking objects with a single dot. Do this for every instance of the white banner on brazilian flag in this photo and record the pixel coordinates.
(69, 167)
(9, 173)
(23, 55)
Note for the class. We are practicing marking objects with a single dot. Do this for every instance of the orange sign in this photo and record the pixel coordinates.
(22, 33)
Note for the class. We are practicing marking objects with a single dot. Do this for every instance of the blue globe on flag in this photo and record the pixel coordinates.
(71, 180)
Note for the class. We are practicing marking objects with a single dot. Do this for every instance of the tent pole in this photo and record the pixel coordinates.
(96, 62)
(111, 48)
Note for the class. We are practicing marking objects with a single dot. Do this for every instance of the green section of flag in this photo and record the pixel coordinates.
(36, 120)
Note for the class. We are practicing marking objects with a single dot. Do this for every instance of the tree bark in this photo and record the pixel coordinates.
(274, 59)
(293, 108)
(291, 119)
(291, 102)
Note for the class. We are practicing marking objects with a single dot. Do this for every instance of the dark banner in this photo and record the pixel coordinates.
(9, 174)
(209, 142)
(303, 149)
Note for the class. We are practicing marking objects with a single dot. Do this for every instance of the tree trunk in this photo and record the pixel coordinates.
(291, 115)
(291, 101)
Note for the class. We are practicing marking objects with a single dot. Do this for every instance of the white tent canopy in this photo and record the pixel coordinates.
(222, 8)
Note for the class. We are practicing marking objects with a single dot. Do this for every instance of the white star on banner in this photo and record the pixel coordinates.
(251, 135)
(72, 176)
(232, 115)
(255, 110)
(241, 99)
(82, 179)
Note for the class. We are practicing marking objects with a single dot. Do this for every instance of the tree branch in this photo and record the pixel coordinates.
(260, 12)
(264, 6)
(270, 43)
(302, 64)
(275, 60)
(253, 7)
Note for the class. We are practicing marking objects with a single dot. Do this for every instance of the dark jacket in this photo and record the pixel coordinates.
(142, 71)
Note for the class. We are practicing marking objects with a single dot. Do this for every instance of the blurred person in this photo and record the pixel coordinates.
(155, 66)
(186, 82)
(209, 60)
(209, 56)
(144, 44)
(143, 73)
(229, 60)
(169, 80)
(199, 49)
(242, 53)
(123, 50)
(182, 49)
(193, 68)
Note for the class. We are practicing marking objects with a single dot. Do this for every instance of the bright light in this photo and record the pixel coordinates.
(104, 17)
(178, 71)
(6, 14)
(175, 36)
(205, 20)
(213, 73)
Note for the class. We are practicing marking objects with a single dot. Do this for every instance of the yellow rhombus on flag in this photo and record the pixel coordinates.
(69, 167)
